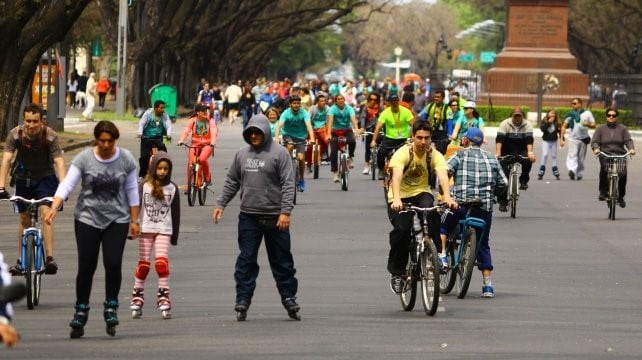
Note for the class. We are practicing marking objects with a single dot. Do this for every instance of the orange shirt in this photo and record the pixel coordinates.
(102, 86)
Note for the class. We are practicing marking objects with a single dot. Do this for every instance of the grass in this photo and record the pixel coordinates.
(111, 115)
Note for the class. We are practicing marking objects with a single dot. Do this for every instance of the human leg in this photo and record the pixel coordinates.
(88, 239)
(603, 184)
(204, 159)
(334, 149)
(246, 270)
(581, 156)
(113, 244)
(143, 160)
(571, 157)
(277, 244)
(399, 241)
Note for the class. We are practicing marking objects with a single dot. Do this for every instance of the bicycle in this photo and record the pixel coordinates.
(461, 251)
(423, 263)
(343, 158)
(513, 180)
(291, 146)
(316, 160)
(617, 164)
(373, 154)
(157, 144)
(32, 255)
(196, 184)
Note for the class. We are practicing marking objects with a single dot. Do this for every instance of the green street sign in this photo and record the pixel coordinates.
(466, 57)
(487, 57)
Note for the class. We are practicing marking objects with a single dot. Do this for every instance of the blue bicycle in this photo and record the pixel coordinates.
(461, 250)
(32, 255)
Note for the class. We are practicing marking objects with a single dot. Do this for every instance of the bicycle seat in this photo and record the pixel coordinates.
(474, 202)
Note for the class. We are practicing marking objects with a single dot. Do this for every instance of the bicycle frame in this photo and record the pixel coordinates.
(513, 179)
(616, 164)
(196, 182)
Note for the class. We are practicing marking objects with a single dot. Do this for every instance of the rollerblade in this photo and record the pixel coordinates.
(137, 302)
(556, 172)
(292, 307)
(111, 316)
(241, 310)
(78, 323)
(540, 173)
(164, 305)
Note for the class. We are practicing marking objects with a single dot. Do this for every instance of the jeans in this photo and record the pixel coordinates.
(524, 178)
(450, 221)
(252, 229)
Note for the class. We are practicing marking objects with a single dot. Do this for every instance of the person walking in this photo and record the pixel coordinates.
(263, 173)
(550, 126)
(579, 121)
(39, 167)
(106, 211)
(102, 88)
(90, 95)
(160, 220)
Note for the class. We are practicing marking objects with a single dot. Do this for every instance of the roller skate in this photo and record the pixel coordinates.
(78, 323)
(111, 316)
(241, 310)
(164, 305)
(137, 302)
(292, 307)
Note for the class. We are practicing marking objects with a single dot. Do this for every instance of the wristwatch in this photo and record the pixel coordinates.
(136, 222)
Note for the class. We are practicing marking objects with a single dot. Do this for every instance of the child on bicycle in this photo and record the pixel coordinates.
(204, 134)
(160, 220)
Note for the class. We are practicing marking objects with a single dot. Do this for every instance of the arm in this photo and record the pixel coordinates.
(277, 130)
(329, 132)
(377, 129)
(133, 199)
(355, 126)
(168, 125)
(4, 168)
(562, 134)
(187, 131)
(176, 215)
(456, 129)
(444, 183)
(308, 125)
(60, 168)
(395, 184)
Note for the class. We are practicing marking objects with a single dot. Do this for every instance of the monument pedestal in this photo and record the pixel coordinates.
(536, 43)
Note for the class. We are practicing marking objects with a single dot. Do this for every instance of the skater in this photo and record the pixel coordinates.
(106, 210)
(264, 175)
(550, 127)
(159, 227)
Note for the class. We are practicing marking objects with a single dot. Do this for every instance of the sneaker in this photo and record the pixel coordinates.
(579, 177)
(366, 170)
(523, 186)
(16, 270)
(557, 176)
(301, 186)
(488, 291)
(601, 197)
(396, 284)
(571, 174)
(50, 266)
(540, 177)
(444, 261)
(380, 174)
(336, 177)
(621, 202)
(351, 163)
(503, 207)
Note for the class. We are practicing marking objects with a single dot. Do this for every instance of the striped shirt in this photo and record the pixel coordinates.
(477, 174)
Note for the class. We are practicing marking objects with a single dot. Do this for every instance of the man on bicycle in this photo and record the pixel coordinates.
(477, 174)
(411, 167)
(515, 137)
(153, 125)
(204, 133)
(397, 121)
(342, 122)
(38, 150)
(613, 139)
(319, 120)
(295, 126)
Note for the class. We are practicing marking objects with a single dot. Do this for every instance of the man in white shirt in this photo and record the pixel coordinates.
(233, 95)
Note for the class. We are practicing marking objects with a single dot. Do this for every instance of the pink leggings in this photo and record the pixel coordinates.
(206, 152)
(161, 245)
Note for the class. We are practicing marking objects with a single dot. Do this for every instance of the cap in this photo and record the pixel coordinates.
(469, 105)
(517, 111)
(475, 135)
(393, 98)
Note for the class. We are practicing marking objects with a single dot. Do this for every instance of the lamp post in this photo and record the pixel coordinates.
(398, 63)
(440, 46)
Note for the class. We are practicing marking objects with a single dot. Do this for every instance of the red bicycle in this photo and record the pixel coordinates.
(196, 184)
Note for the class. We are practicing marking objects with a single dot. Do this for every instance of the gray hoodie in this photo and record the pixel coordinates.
(263, 174)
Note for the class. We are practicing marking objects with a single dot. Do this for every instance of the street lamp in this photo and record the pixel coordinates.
(398, 63)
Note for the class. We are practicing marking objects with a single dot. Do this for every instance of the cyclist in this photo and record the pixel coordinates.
(412, 166)
(295, 125)
(319, 120)
(614, 139)
(153, 125)
(397, 121)
(38, 150)
(368, 120)
(470, 119)
(477, 174)
(342, 121)
(436, 114)
(206, 97)
(204, 134)
(515, 137)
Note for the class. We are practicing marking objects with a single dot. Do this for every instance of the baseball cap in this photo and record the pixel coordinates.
(475, 135)
(393, 98)
(470, 105)
(517, 111)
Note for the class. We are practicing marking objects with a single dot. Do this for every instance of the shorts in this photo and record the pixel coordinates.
(233, 106)
(300, 147)
(38, 189)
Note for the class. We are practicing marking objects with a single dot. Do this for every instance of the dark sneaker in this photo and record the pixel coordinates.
(503, 207)
(50, 266)
(396, 284)
(601, 197)
(622, 203)
(540, 177)
(292, 307)
(571, 174)
(488, 291)
(380, 175)
(301, 186)
(523, 186)
(579, 178)
(16, 270)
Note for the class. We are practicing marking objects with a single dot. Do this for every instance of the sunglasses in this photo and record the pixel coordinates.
(574, 103)
(611, 115)
(254, 132)
(372, 98)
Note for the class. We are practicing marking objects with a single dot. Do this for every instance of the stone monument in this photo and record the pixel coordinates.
(535, 58)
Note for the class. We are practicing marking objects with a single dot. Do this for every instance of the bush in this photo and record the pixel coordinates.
(499, 113)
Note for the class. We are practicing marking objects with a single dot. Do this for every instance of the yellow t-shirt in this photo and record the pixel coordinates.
(415, 178)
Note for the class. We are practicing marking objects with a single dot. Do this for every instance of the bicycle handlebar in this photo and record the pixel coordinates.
(17, 198)
(194, 147)
(512, 156)
(608, 156)
(412, 208)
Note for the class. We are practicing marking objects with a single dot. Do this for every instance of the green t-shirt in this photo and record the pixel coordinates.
(397, 125)
(294, 124)
(341, 117)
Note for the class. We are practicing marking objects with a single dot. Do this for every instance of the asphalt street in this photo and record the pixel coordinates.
(568, 280)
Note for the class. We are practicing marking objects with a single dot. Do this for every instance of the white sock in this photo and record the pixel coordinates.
(487, 280)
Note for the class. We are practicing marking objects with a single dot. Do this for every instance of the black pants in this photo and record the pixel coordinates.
(400, 235)
(524, 178)
(146, 146)
(101, 99)
(334, 149)
(440, 139)
(604, 179)
(387, 146)
(89, 241)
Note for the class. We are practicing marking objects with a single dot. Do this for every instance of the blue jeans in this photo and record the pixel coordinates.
(252, 229)
(450, 221)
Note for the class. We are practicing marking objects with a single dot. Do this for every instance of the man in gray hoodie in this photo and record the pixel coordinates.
(263, 173)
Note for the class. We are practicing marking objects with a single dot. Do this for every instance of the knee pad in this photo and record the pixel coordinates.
(162, 266)
(142, 269)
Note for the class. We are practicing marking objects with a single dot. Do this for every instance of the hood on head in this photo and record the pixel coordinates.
(262, 123)
(161, 155)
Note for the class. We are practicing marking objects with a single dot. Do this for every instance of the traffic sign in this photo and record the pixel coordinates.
(468, 57)
(487, 57)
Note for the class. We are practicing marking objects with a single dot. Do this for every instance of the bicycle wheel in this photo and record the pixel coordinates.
(447, 279)
(513, 196)
(409, 293)
(191, 188)
(295, 168)
(343, 170)
(430, 269)
(613, 194)
(373, 164)
(316, 161)
(464, 270)
(38, 277)
(30, 272)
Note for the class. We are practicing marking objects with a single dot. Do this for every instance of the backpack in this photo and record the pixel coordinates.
(412, 155)
(17, 165)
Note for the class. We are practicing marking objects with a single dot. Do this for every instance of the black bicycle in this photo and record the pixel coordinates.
(513, 179)
(616, 165)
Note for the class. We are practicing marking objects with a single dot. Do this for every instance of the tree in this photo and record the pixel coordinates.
(28, 28)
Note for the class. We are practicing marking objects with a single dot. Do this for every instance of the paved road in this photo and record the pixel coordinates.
(568, 283)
